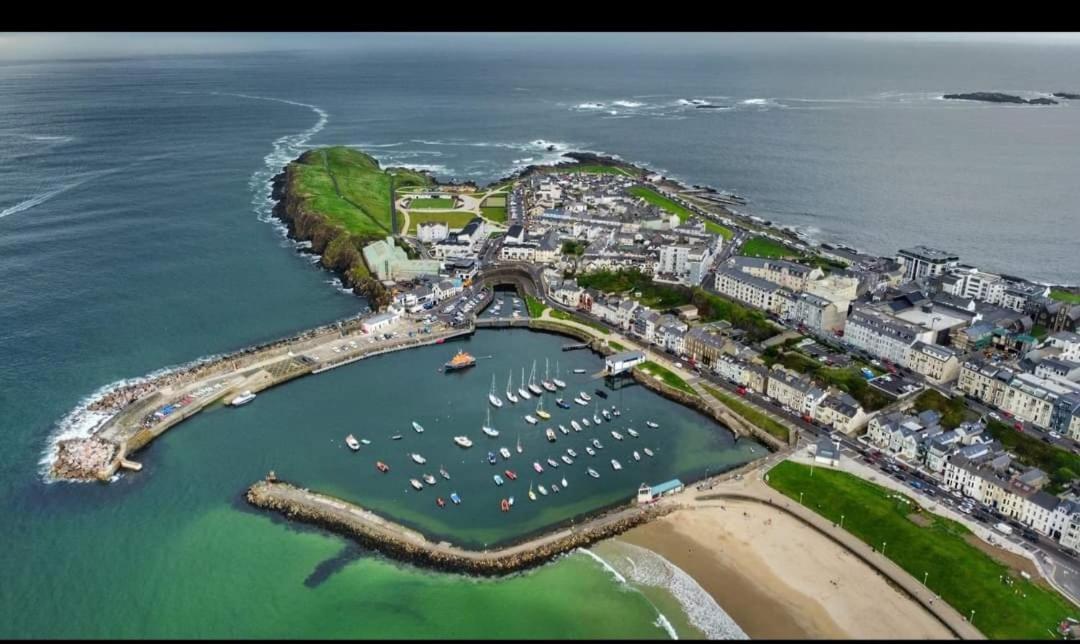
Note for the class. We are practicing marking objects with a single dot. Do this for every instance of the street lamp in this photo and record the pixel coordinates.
(841, 522)
(924, 576)
(883, 544)
(800, 498)
(972, 619)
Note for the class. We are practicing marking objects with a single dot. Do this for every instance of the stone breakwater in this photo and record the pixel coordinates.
(404, 544)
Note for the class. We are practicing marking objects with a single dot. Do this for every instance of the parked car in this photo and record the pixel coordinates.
(994, 415)
(1019, 426)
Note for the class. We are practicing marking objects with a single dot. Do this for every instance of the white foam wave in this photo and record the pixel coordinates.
(755, 101)
(614, 573)
(46, 138)
(589, 106)
(650, 569)
(662, 622)
(434, 168)
(628, 103)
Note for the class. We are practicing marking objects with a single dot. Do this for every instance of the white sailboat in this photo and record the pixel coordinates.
(519, 450)
(493, 398)
(522, 391)
(487, 428)
(558, 383)
(533, 387)
(509, 391)
(546, 383)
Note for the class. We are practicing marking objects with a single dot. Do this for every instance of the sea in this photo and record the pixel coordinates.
(135, 235)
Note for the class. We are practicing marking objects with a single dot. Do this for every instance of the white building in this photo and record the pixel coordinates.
(936, 363)
(430, 232)
(755, 291)
(970, 282)
(380, 321)
(922, 261)
(883, 335)
(816, 312)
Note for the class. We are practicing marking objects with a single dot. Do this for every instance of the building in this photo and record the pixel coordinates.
(790, 275)
(840, 412)
(794, 391)
(755, 291)
(474, 231)
(390, 262)
(619, 362)
(702, 347)
(379, 322)
(430, 232)
(827, 453)
(685, 263)
(648, 494)
(970, 282)
(922, 261)
(883, 335)
(817, 313)
(936, 363)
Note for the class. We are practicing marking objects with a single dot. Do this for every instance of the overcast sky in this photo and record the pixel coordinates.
(43, 46)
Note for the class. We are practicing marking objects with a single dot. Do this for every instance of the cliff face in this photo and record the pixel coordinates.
(340, 251)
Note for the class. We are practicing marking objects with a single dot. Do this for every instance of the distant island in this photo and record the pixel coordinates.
(1066, 95)
(998, 97)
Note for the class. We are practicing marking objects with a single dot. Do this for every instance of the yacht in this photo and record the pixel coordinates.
(550, 433)
(596, 444)
(558, 383)
(395, 437)
(562, 403)
(439, 502)
(533, 387)
(382, 467)
(648, 452)
(511, 474)
(590, 451)
(443, 473)
(498, 479)
(519, 450)
(487, 428)
(504, 452)
(429, 479)
(417, 485)
(504, 505)
(575, 425)
(351, 441)
(637, 457)
(540, 409)
(529, 418)
(532, 495)
(593, 473)
(510, 502)
(522, 391)
(585, 422)
(651, 424)
(509, 391)
(584, 396)
(580, 401)
(242, 399)
(566, 459)
(597, 419)
(546, 382)
(601, 393)
(419, 460)
(616, 465)
(542, 490)
(615, 412)
(493, 398)
(606, 414)
(553, 463)
(616, 435)
(463, 441)
(563, 429)
(632, 432)
(564, 483)
(418, 427)
(571, 452)
(538, 467)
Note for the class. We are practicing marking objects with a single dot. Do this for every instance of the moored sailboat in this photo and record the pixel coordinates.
(493, 398)
(522, 391)
(509, 389)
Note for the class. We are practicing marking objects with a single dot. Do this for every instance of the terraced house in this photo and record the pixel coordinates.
(937, 363)
(883, 335)
(794, 390)
(755, 291)
(790, 275)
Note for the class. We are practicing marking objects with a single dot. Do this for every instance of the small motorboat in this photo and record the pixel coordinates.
(439, 502)
(562, 403)
(455, 498)
(637, 457)
(382, 467)
(505, 453)
(395, 437)
(351, 441)
(648, 452)
(555, 488)
(566, 459)
(564, 483)
(510, 474)
(550, 433)
(529, 418)
(597, 419)
(571, 452)
(606, 414)
(365, 441)
(579, 371)
(538, 467)
(593, 473)
(418, 427)
(463, 441)
(417, 485)
(242, 399)
(504, 505)
(651, 424)
(584, 396)
(429, 479)
(616, 465)
(563, 429)
(511, 501)
(491, 457)
(519, 450)
(443, 473)
(542, 490)
(419, 460)
(596, 444)
(580, 402)
(632, 432)
(498, 479)
(616, 435)
(615, 412)
(552, 462)
(575, 425)
(585, 422)
(590, 451)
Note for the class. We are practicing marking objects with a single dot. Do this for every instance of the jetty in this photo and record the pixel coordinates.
(575, 347)
(399, 542)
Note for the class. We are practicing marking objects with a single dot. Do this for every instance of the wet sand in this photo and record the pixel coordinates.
(779, 579)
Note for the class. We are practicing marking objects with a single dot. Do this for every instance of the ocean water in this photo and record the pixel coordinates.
(134, 235)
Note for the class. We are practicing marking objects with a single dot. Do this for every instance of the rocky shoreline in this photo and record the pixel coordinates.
(406, 545)
(998, 97)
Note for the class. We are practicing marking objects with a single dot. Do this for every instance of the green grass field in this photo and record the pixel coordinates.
(765, 247)
(659, 200)
(616, 346)
(964, 576)
(634, 281)
(494, 213)
(847, 379)
(440, 202)
(1065, 296)
(364, 205)
(563, 315)
(666, 376)
(749, 412)
(713, 307)
(536, 307)
(953, 410)
(453, 219)
(1060, 465)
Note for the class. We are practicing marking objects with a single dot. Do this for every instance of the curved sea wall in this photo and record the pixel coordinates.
(404, 544)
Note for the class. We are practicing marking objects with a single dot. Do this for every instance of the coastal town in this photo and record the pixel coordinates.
(961, 385)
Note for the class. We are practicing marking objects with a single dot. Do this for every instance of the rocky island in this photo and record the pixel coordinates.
(1066, 95)
(998, 97)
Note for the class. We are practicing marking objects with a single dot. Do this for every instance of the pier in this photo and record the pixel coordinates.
(402, 543)
(575, 347)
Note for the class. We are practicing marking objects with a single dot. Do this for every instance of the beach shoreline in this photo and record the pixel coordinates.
(777, 579)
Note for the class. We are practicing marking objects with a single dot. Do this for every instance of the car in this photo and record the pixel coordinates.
(1047, 439)
(994, 415)
(1019, 426)
(1055, 435)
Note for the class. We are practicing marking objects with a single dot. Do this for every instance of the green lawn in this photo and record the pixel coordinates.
(536, 307)
(494, 213)
(364, 206)
(452, 218)
(666, 376)
(960, 573)
(439, 202)
(563, 315)
(750, 413)
(1062, 466)
(684, 213)
(712, 307)
(953, 410)
(634, 281)
(765, 247)
(1065, 296)
(616, 346)
(574, 247)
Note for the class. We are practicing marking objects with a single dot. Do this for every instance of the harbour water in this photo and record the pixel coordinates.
(133, 235)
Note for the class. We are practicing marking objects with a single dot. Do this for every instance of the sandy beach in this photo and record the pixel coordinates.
(779, 579)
